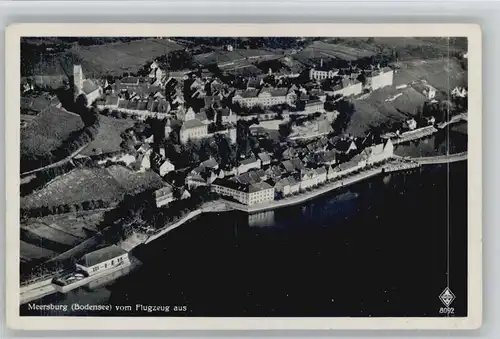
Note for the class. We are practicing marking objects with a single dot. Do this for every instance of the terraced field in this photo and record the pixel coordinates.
(85, 184)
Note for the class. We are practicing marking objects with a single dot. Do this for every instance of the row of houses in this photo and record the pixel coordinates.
(292, 176)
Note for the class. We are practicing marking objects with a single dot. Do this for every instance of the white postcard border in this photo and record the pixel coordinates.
(12, 142)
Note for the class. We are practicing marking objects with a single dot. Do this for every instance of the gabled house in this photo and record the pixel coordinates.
(247, 164)
(166, 167)
(264, 158)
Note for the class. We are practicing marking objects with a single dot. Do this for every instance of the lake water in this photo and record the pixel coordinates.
(448, 140)
(377, 248)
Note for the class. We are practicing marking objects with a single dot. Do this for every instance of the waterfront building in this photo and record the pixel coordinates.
(308, 178)
(345, 146)
(247, 194)
(411, 124)
(379, 152)
(103, 259)
(321, 175)
(164, 196)
(294, 185)
(282, 187)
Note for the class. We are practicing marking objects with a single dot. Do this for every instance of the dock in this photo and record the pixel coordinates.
(414, 135)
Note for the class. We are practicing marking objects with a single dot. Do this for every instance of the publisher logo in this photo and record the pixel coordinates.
(447, 297)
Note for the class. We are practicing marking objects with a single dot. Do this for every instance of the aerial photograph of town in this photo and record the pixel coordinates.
(243, 176)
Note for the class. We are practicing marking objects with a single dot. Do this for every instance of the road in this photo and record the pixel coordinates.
(56, 164)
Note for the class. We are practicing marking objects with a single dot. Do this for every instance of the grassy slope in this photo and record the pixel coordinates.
(48, 130)
(444, 75)
(108, 139)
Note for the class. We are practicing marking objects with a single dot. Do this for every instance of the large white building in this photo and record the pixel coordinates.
(164, 196)
(103, 259)
(193, 130)
(265, 97)
(246, 194)
(348, 87)
(379, 152)
(87, 87)
(321, 73)
(380, 78)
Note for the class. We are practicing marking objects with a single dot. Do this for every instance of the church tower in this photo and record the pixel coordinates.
(77, 79)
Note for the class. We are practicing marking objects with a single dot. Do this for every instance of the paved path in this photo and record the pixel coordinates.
(56, 164)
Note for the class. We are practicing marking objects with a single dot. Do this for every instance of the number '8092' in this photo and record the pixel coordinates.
(446, 310)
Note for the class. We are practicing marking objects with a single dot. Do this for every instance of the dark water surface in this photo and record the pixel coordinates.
(378, 248)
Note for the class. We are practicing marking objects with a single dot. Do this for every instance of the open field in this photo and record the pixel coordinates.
(30, 252)
(236, 55)
(48, 130)
(84, 184)
(406, 47)
(443, 74)
(34, 104)
(47, 231)
(58, 232)
(110, 58)
(108, 139)
(320, 49)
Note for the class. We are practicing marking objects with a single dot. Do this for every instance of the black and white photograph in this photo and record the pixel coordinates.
(244, 176)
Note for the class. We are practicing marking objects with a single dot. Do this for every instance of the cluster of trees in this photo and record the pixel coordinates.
(346, 110)
(141, 131)
(139, 211)
(37, 270)
(445, 109)
(193, 152)
(178, 208)
(250, 42)
(61, 209)
(176, 60)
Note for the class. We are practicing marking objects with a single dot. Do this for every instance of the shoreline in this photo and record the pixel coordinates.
(221, 205)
